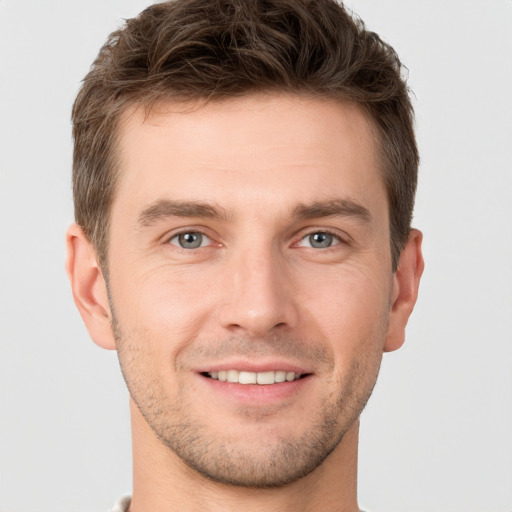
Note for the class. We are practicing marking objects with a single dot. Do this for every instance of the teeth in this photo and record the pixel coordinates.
(280, 376)
(266, 377)
(247, 378)
(233, 376)
(261, 378)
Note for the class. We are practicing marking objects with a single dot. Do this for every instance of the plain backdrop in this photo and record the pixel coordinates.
(437, 434)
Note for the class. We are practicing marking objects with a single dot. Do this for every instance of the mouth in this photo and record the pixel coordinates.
(256, 384)
(266, 378)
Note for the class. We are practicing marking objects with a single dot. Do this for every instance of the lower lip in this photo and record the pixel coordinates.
(257, 393)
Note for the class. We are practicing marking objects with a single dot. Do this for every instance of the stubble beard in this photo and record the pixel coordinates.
(265, 462)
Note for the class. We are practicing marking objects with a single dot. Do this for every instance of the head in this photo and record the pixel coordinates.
(203, 51)
(244, 177)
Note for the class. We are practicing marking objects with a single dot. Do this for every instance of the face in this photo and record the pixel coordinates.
(250, 280)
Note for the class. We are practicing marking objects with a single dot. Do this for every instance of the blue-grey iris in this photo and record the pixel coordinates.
(190, 240)
(321, 240)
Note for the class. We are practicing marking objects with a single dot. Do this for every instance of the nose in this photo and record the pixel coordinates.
(259, 298)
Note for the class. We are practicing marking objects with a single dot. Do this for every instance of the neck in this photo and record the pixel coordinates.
(161, 481)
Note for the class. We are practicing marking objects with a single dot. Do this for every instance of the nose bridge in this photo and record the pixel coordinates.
(258, 298)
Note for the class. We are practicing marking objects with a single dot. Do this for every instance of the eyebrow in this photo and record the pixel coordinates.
(164, 208)
(331, 208)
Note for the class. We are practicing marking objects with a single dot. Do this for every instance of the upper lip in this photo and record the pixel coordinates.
(254, 366)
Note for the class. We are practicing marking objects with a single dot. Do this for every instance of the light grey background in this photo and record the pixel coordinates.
(437, 435)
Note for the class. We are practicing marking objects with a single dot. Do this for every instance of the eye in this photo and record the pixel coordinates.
(190, 240)
(320, 240)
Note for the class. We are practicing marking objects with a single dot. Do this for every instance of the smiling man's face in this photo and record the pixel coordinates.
(250, 280)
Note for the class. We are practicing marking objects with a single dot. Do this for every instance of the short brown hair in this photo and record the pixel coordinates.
(212, 49)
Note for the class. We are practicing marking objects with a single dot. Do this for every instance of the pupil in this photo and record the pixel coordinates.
(321, 240)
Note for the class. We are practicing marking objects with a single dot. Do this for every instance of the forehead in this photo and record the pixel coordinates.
(255, 150)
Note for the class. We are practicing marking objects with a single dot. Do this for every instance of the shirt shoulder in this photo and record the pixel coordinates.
(122, 504)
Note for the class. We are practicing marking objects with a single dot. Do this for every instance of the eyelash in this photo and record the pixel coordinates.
(336, 236)
(189, 232)
(338, 239)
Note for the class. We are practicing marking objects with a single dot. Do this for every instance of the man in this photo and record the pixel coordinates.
(244, 178)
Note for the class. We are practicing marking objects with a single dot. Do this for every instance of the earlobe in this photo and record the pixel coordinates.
(405, 290)
(89, 287)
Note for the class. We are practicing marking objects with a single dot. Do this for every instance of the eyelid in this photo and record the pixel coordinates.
(341, 237)
(205, 242)
(170, 235)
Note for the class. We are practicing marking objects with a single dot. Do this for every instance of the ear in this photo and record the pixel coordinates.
(89, 287)
(406, 281)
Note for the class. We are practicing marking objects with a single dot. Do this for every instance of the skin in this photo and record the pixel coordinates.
(268, 173)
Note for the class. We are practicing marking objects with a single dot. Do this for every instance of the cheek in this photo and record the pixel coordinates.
(354, 317)
(351, 311)
(170, 305)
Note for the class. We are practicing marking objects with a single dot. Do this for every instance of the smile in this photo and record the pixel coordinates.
(261, 378)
